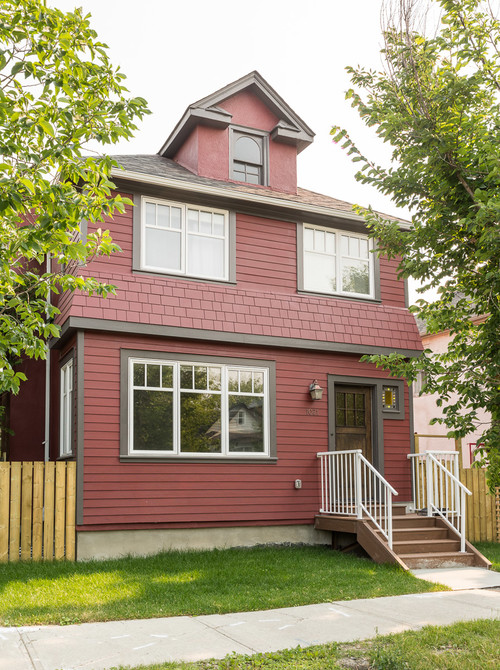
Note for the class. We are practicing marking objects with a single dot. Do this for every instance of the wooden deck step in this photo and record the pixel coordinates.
(421, 534)
(429, 546)
(439, 559)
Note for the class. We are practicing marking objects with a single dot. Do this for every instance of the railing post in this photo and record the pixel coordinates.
(389, 519)
(462, 521)
(359, 511)
(430, 482)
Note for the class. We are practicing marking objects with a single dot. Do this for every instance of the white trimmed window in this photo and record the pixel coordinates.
(184, 239)
(197, 409)
(337, 262)
(66, 410)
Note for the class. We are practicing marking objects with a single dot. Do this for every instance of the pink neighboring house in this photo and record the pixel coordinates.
(425, 408)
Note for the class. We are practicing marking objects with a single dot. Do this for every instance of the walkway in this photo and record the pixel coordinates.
(101, 646)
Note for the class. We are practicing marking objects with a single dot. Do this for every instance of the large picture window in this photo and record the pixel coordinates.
(184, 239)
(337, 262)
(197, 409)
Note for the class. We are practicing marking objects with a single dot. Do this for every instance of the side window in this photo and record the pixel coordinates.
(249, 158)
(184, 240)
(66, 410)
(337, 262)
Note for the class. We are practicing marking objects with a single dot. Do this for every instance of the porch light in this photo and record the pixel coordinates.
(315, 390)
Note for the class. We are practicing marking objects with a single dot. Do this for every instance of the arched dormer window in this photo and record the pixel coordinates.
(249, 158)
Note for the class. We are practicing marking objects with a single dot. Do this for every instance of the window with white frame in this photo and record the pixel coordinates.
(338, 262)
(248, 158)
(66, 410)
(197, 409)
(184, 239)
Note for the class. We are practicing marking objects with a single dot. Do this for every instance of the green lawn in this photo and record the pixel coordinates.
(190, 583)
(492, 552)
(463, 646)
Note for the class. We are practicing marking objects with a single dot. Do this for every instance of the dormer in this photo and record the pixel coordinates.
(244, 132)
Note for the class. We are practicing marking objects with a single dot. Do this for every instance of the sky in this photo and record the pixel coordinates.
(176, 52)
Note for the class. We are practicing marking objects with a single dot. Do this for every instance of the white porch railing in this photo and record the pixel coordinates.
(351, 486)
(438, 490)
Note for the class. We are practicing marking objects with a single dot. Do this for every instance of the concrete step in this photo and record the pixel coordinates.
(429, 546)
(442, 559)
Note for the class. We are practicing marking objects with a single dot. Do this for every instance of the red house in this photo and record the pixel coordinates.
(186, 399)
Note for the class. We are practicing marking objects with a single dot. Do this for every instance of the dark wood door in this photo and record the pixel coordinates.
(353, 419)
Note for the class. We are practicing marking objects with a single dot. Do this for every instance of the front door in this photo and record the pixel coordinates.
(353, 419)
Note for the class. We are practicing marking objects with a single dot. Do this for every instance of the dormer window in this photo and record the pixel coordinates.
(249, 158)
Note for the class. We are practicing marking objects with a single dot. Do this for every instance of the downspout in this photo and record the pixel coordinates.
(46, 443)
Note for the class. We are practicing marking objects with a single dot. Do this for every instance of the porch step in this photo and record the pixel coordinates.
(414, 547)
(422, 534)
(439, 559)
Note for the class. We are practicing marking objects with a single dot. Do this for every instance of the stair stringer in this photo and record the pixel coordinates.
(376, 547)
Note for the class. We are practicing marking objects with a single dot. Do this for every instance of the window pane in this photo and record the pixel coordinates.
(150, 214)
(175, 217)
(167, 376)
(200, 423)
(153, 421)
(258, 382)
(246, 425)
(245, 381)
(319, 240)
(356, 277)
(163, 249)
(345, 245)
(308, 239)
(139, 374)
(363, 248)
(163, 216)
(193, 220)
(247, 150)
(252, 179)
(214, 379)
(186, 376)
(205, 256)
(200, 378)
(153, 376)
(330, 243)
(219, 224)
(233, 383)
(319, 273)
(206, 223)
(354, 247)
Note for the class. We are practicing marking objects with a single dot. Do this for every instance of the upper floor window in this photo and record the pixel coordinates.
(184, 239)
(337, 262)
(249, 158)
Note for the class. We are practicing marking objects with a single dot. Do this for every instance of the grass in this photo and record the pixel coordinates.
(191, 583)
(474, 645)
(492, 552)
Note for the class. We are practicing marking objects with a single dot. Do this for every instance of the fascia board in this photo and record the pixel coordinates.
(238, 195)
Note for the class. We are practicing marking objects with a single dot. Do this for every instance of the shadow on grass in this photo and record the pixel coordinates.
(191, 583)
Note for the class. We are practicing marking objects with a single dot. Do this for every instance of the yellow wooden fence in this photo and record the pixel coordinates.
(37, 511)
(482, 507)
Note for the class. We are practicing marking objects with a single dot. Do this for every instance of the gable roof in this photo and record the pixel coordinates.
(290, 129)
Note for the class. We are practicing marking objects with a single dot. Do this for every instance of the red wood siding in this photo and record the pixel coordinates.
(189, 494)
(263, 302)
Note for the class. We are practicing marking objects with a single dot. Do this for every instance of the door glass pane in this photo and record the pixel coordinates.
(350, 400)
(340, 399)
(360, 417)
(340, 416)
(349, 418)
(246, 426)
(360, 400)
(200, 423)
(153, 421)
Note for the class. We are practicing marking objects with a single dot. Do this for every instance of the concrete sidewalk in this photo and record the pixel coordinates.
(100, 646)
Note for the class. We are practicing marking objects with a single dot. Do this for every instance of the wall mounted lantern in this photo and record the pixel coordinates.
(315, 390)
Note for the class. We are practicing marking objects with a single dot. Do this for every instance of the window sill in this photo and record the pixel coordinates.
(198, 459)
(190, 278)
(340, 296)
(66, 457)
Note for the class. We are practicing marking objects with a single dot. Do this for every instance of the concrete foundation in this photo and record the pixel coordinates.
(118, 543)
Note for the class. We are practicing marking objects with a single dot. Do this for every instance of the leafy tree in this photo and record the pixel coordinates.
(437, 104)
(58, 92)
